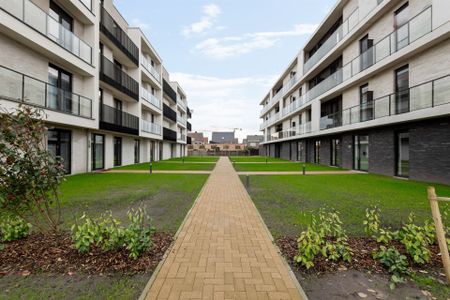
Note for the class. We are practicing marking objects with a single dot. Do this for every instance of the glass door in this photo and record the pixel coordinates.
(98, 151)
(361, 152)
(366, 52)
(401, 27)
(403, 154)
(317, 152)
(366, 103)
(137, 151)
(117, 151)
(336, 152)
(402, 90)
(59, 90)
(61, 27)
(60, 145)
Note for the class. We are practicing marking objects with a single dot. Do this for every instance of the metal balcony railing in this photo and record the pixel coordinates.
(19, 87)
(150, 127)
(30, 14)
(113, 119)
(426, 95)
(169, 135)
(150, 98)
(148, 66)
(169, 91)
(169, 113)
(119, 37)
(114, 76)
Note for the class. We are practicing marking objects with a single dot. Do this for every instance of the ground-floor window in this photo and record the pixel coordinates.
(98, 151)
(60, 145)
(161, 151)
(152, 151)
(402, 147)
(361, 152)
(117, 151)
(317, 152)
(336, 153)
(301, 151)
(137, 149)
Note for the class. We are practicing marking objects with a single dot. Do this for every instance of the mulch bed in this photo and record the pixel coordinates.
(55, 254)
(361, 260)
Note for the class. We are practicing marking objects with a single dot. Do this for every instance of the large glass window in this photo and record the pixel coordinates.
(98, 151)
(60, 145)
(60, 33)
(366, 51)
(117, 151)
(317, 152)
(136, 151)
(336, 153)
(361, 152)
(402, 90)
(60, 89)
(400, 24)
(402, 146)
(366, 102)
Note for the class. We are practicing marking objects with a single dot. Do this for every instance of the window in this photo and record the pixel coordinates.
(366, 51)
(336, 152)
(98, 151)
(64, 23)
(366, 101)
(402, 90)
(402, 155)
(60, 145)
(117, 151)
(401, 18)
(60, 89)
(317, 152)
(361, 152)
(300, 150)
(136, 151)
(118, 112)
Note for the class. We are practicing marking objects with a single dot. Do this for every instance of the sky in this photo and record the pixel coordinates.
(226, 54)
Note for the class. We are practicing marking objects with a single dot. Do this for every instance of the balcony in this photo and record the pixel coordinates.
(338, 36)
(189, 126)
(290, 133)
(39, 20)
(169, 113)
(182, 105)
(19, 87)
(181, 120)
(331, 121)
(112, 119)
(114, 76)
(150, 127)
(119, 37)
(426, 95)
(189, 140)
(169, 135)
(150, 98)
(181, 137)
(189, 113)
(148, 66)
(169, 91)
(293, 106)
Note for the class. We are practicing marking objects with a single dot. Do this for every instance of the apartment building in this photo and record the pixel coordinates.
(101, 83)
(369, 91)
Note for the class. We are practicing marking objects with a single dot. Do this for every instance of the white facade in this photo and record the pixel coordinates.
(96, 78)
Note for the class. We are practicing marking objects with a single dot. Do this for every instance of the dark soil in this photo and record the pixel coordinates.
(55, 254)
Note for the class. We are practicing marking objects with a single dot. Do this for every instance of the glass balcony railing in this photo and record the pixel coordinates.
(338, 35)
(30, 14)
(150, 98)
(181, 137)
(426, 95)
(150, 127)
(182, 104)
(289, 133)
(181, 120)
(148, 66)
(22, 88)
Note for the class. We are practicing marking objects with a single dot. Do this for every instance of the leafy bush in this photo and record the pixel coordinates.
(372, 226)
(108, 233)
(417, 239)
(396, 264)
(324, 236)
(13, 228)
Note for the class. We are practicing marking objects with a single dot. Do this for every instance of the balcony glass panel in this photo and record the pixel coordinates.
(148, 66)
(150, 127)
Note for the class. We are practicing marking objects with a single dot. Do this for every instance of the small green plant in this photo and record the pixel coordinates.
(325, 236)
(416, 240)
(13, 228)
(372, 226)
(108, 233)
(396, 263)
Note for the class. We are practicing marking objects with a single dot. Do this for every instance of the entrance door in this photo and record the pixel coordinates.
(98, 151)
(152, 151)
(59, 89)
(317, 152)
(336, 152)
(361, 155)
(403, 154)
(117, 151)
(59, 144)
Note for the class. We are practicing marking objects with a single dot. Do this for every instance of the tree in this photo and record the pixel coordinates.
(29, 174)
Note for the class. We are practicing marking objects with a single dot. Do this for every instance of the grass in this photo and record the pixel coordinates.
(249, 167)
(167, 197)
(256, 159)
(164, 165)
(437, 289)
(288, 202)
(196, 159)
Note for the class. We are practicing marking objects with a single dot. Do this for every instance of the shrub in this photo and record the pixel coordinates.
(372, 226)
(108, 233)
(13, 228)
(416, 240)
(396, 264)
(324, 236)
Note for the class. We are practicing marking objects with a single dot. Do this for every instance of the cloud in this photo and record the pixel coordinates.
(210, 14)
(220, 48)
(138, 23)
(228, 102)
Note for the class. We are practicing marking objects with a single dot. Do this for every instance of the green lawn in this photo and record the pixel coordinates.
(248, 167)
(167, 197)
(256, 159)
(196, 159)
(287, 202)
(164, 165)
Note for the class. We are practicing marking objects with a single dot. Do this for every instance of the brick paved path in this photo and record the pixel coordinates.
(224, 250)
